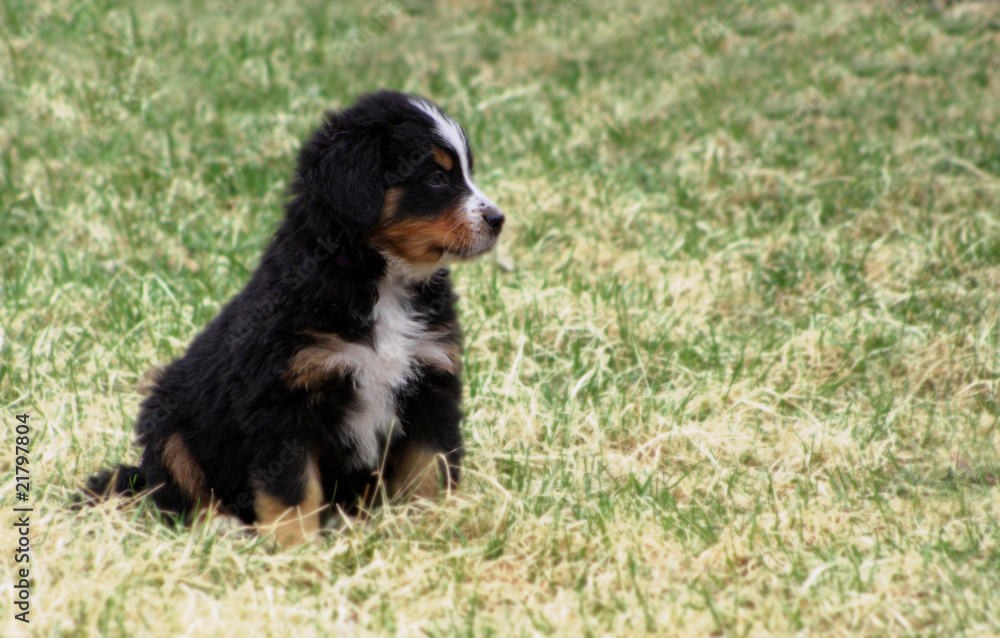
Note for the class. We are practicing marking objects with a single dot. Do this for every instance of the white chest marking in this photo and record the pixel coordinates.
(401, 343)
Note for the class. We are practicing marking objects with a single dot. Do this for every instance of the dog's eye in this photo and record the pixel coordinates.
(436, 179)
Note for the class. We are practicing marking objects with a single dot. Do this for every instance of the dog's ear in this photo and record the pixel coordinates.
(346, 175)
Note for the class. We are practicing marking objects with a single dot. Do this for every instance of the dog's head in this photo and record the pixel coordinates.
(398, 170)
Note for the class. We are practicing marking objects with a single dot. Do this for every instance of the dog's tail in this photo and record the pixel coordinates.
(128, 480)
(124, 479)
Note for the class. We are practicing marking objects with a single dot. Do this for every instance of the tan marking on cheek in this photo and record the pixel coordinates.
(184, 468)
(424, 240)
(442, 158)
(292, 524)
(314, 364)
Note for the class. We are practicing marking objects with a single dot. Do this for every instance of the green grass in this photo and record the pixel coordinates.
(733, 372)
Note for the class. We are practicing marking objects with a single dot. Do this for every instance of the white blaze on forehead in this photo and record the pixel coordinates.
(449, 131)
(452, 134)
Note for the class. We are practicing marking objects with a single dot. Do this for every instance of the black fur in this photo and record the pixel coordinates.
(247, 428)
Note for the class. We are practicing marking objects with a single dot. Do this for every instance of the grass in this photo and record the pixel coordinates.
(733, 372)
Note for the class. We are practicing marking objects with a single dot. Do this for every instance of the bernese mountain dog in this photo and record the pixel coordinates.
(334, 376)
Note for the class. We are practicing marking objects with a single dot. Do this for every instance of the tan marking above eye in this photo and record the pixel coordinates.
(442, 158)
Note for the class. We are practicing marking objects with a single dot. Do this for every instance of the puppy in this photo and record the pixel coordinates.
(335, 373)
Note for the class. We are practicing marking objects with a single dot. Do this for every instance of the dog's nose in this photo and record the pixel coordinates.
(494, 218)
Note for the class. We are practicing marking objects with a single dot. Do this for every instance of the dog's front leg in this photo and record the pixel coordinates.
(427, 457)
(288, 493)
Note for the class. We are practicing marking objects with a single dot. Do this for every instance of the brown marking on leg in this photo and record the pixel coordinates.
(315, 363)
(424, 240)
(416, 472)
(184, 468)
(442, 158)
(292, 524)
